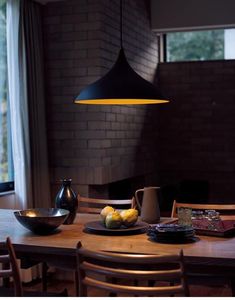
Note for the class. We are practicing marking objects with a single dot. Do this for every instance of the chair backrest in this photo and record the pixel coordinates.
(10, 268)
(95, 267)
(93, 205)
(224, 209)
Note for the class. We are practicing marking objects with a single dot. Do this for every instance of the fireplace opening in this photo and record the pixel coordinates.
(186, 191)
(193, 191)
(122, 189)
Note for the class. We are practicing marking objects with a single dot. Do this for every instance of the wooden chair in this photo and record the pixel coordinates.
(94, 267)
(224, 209)
(11, 270)
(206, 276)
(94, 205)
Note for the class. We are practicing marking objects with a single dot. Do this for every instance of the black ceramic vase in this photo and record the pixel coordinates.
(67, 199)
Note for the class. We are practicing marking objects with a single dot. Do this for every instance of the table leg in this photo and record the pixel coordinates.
(76, 283)
(44, 276)
(6, 281)
(233, 286)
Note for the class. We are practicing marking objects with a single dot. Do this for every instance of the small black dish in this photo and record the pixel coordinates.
(171, 233)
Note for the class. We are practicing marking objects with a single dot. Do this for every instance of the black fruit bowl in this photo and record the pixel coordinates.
(41, 220)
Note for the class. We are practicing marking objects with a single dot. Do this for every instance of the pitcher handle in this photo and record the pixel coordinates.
(137, 199)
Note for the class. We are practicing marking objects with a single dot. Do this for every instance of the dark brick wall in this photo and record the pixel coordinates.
(197, 129)
(95, 145)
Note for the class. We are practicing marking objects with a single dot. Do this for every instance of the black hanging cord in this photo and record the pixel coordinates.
(121, 24)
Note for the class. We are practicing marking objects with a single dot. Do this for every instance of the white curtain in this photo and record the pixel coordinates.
(18, 106)
(27, 121)
(27, 104)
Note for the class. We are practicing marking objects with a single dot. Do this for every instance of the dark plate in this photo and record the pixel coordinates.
(171, 233)
(98, 228)
(172, 228)
(173, 241)
(170, 237)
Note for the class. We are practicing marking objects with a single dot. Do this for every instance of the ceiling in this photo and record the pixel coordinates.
(200, 14)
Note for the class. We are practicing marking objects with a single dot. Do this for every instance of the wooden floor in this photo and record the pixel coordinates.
(55, 285)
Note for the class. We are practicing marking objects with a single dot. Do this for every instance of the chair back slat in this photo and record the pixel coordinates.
(94, 266)
(11, 268)
(105, 201)
(94, 206)
(4, 258)
(129, 257)
(224, 209)
(140, 275)
(134, 290)
(5, 273)
(89, 210)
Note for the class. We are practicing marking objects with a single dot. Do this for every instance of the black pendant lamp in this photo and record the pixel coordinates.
(121, 85)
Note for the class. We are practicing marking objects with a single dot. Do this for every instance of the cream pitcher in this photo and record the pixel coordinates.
(150, 211)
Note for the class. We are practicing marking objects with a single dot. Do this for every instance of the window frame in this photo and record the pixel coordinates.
(7, 186)
(162, 43)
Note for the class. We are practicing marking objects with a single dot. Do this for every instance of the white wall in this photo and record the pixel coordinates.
(8, 201)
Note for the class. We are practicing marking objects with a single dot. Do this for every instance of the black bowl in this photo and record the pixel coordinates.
(41, 220)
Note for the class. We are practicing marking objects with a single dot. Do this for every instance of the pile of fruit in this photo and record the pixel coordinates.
(114, 219)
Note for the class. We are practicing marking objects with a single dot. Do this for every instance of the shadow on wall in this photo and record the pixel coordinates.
(122, 189)
(197, 127)
(146, 152)
(186, 191)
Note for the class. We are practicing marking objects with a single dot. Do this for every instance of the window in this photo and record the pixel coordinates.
(200, 45)
(6, 165)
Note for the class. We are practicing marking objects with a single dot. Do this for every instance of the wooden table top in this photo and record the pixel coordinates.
(64, 241)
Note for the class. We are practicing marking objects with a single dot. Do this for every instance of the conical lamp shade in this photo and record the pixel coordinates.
(121, 85)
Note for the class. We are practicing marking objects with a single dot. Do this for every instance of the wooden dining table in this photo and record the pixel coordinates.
(215, 255)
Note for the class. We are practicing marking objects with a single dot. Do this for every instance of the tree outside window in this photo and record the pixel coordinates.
(199, 45)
